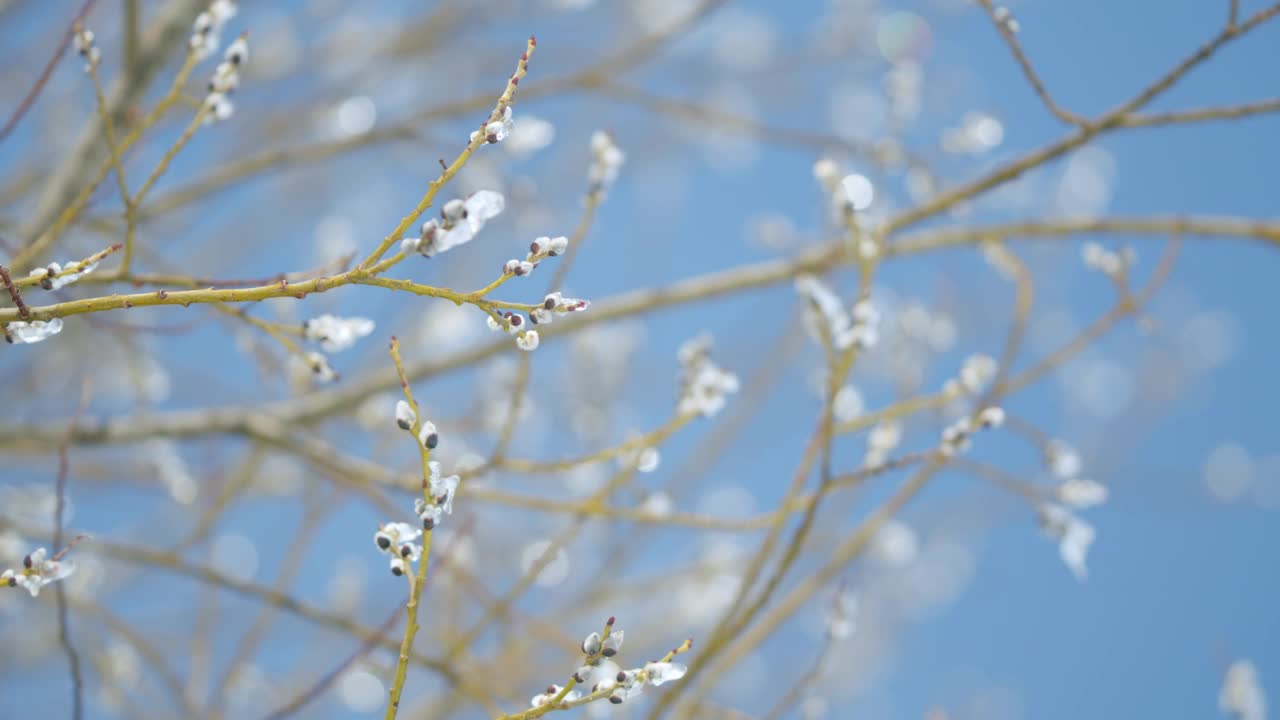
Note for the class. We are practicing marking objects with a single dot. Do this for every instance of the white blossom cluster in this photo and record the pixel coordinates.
(441, 489)
(498, 130)
(1081, 493)
(848, 192)
(975, 374)
(883, 439)
(406, 418)
(56, 276)
(37, 571)
(840, 619)
(603, 675)
(849, 195)
(206, 31)
(225, 81)
(513, 323)
(556, 303)
(336, 333)
(704, 386)
(1073, 535)
(826, 316)
(1112, 264)
(1241, 695)
(644, 459)
(606, 161)
(33, 331)
(460, 221)
(956, 436)
(528, 135)
(396, 541)
(87, 48)
(540, 249)
(1063, 460)
(978, 132)
(1006, 19)
(319, 367)
(847, 405)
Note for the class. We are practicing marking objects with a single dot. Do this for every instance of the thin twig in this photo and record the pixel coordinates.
(14, 294)
(1028, 71)
(43, 80)
(504, 101)
(317, 689)
(59, 508)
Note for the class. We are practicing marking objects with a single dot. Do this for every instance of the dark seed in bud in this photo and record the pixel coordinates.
(404, 424)
(551, 690)
(622, 676)
(405, 551)
(549, 303)
(534, 248)
(46, 283)
(397, 571)
(428, 523)
(615, 699)
(26, 562)
(13, 582)
(432, 441)
(384, 542)
(609, 652)
(577, 677)
(611, 620)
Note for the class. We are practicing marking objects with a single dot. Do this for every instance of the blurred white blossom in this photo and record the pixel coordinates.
(336, 333)
(1074, 537)
(1242, 696)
